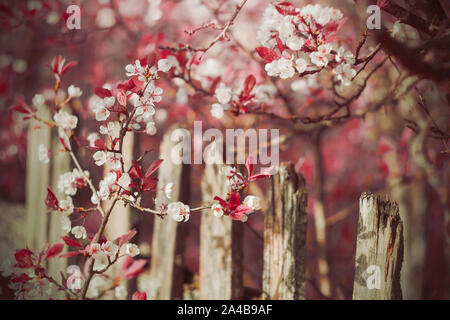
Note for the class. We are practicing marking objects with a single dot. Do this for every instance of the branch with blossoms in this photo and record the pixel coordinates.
(128, 107)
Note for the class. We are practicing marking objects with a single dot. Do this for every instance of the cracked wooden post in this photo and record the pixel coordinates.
(167, 268)
(221, 251)
(285, 236)
(379, 250)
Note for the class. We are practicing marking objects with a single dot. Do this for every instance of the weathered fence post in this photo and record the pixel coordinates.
(37, 181)
(379, 250)
(221, 251)
(167, 268)
(285, 236)
(60, 163)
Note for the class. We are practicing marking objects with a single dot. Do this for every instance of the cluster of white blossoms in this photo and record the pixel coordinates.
(108, 251)
(302, 39)
(69, 182)
(101, 108)
(112, 182)
(43, 153)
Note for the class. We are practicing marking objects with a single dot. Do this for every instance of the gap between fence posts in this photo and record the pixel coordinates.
(379, 250)
(285, 236)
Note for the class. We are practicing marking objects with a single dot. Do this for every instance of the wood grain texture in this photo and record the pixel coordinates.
(37, 181)
(167, 267)
(285, 236)
(221, 251)
(379, 244)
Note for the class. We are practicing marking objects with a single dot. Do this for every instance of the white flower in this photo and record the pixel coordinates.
(38, 100)
(69, 181)
(320, 57)
(92, 137)
(132, 250)
(6, 268)
(74, 279)
(223, 93)
(217, 110)
(112, 129)
(143, 73)
(110, 248)
(101, 108)
(120, 292)
(151, 95)
(43, 154)
(295, 43)
(65, 223)
(343, 55)
(345, 74)
(217, 210)
(95, 250)
(178, 211)
(264, 92)
(280, 68)
(99, 157)
(168, 189)
(100, 261)
(79, 232)
(300, 65)
(252, 202)
(150, 128)
(66, 205)
(168, 63)
(124, 180)
(74, 92)
(161, 203)
(65, 120)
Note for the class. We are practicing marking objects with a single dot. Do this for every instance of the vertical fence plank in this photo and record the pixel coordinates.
(166, 270)
(285, 236)
(221, 251)
(379, 250)
(37, 180)
(60, 163)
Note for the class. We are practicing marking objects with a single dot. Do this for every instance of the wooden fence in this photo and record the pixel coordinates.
(379, 248)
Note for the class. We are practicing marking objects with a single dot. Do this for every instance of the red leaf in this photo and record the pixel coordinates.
(139, 296)
(127, 85)
(222, 202)
(286, 8)
(100, 144)
(267, 54)
(22, 278)
(23, 258)
(125, 238)
(136, 172)
(249, 84)
(68, 66)
(237, 213)
(70, 254)
(249, 165)
(54, 250)
(20, 108)
(51, 201)
(70, 242)
(153, 167)
(102, 92)
(135, 269)
(264, 173)
(122, 98)
(235, 200)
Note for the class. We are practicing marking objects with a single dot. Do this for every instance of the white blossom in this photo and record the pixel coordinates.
(217, 210)
(150, 128)
(74, 92)
(110, 248)
(38, 100)
(79, 232)
(253, 202)
(168, 63)
(223, 93)
(345, 74)
(43, 154)
(65, 120)
(66, 205)
(178, 211)
(132, 250)
(168, 189)
(301, 65)
(65, 223)
(124, 180)
(280, 68)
